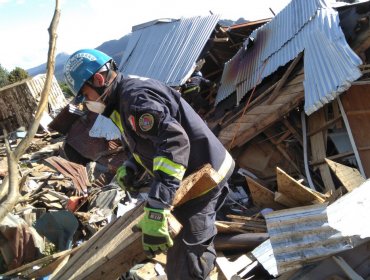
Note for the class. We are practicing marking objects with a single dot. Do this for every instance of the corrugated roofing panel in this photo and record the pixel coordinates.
(329, 67)
(167, 51)
(301, 235)
(229, 75)
(330, 64)
(57, 100)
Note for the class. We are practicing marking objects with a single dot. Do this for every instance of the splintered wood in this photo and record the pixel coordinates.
(262, 196)
(348, 176)
(295, 191)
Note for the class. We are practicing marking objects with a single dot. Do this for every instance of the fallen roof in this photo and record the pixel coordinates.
(309, 26)
(167, 50)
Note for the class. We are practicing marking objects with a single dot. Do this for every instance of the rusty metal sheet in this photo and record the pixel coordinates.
(74, 171)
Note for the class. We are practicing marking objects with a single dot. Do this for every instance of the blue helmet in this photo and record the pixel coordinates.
(81, 66)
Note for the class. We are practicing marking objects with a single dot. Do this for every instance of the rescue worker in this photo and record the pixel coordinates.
(191, 90)
(168, 139)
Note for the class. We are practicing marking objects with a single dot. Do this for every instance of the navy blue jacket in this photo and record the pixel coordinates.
(164, 134)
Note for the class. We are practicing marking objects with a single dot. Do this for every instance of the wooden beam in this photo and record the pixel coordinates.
(283, 79)
(254, 102)
(325, 125)
(350, 177)
(282, 150)
(284, 137)
(215, 59)
(335, 157)
(318, 147)
(266, 121)
(292, 129)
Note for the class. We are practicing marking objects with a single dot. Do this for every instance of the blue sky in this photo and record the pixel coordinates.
(89, 23)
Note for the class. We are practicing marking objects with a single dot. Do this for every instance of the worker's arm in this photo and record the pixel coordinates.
(155, 124)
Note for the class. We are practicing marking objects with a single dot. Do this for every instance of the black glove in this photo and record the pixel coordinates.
(125, 178)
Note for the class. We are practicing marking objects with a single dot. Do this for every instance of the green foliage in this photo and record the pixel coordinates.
(65, 89)
(16, 75)
(3, 77)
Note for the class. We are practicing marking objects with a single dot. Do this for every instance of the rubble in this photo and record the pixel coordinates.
(295, 121)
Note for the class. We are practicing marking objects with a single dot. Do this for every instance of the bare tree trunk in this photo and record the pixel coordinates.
(11, 199)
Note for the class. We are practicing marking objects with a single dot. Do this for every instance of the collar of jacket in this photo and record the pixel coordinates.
(112, 100)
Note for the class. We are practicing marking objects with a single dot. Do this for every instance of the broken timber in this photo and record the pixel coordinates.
(116, 248)
(262, 196)
(350, 177)
(295, 191)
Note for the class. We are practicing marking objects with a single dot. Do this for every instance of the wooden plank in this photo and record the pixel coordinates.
(265, 109)
(225, 228)
(326, 125)
(289, 90)
(348, 176)
(293, 130)
(283, 79)
(285, 200)
(335, 157)
(298, 79)
(294, 190)
(262, 196)
(42, 261)
(196, 184)
(336, 114)
(245, 226)
(261, 124)
(282, 149)
(105, 247)
(318, 147)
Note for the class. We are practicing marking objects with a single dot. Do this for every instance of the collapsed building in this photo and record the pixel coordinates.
(290, 107)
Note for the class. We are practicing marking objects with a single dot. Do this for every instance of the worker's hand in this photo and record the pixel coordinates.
(125, 178)
(154, 226)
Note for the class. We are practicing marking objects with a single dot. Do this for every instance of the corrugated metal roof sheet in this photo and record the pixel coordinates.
(302, 235)
(293, 30)
(167, 51)
(57, 100)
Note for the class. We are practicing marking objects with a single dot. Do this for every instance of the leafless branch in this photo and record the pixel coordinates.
(12, 196)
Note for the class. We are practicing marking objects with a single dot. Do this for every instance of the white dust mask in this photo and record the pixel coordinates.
(95, 106)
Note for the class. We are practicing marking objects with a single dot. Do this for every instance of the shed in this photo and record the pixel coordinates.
(18, 101)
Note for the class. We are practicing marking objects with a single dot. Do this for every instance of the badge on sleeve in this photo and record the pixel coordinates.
(146, 122)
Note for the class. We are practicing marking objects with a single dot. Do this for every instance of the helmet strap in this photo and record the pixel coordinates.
(102, 89)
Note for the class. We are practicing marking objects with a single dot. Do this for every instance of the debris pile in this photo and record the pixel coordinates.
(291, 106)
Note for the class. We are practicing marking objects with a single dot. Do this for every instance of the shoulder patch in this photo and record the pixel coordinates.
(146, 122)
